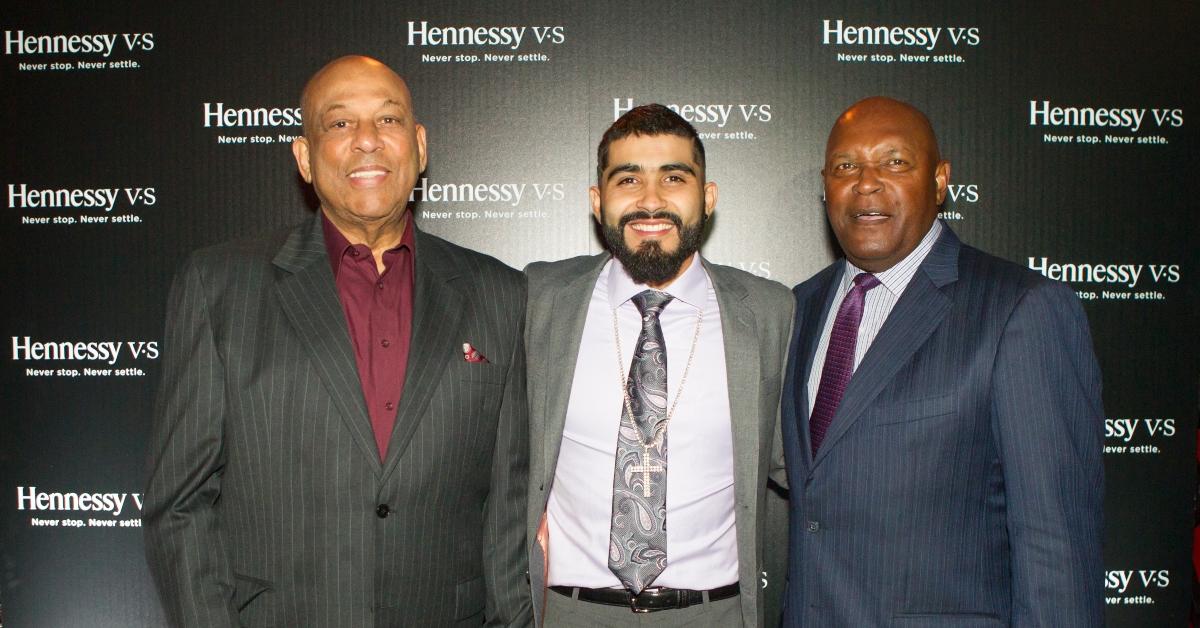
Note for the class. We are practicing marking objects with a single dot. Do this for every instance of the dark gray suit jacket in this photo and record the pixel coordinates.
(961, 480)
(755, 319)
(266, 496)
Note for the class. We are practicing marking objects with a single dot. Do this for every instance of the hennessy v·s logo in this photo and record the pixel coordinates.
(218, 115)
(511, 37)
(17, 42)
(926, 37)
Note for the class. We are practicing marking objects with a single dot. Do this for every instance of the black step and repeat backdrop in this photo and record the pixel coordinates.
(136, 133)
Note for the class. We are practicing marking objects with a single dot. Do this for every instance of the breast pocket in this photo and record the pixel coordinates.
(473, 392)
(916, 410)
(481, 372)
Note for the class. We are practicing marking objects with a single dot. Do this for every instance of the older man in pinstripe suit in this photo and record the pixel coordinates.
(341, 435)
(941, 412)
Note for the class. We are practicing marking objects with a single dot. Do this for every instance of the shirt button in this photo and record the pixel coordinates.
(353, 252)
(386, 343)
(388, 405)
(382, 511)
(813, 526)
(379, 284)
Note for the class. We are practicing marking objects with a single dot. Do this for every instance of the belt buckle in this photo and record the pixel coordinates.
(633, 602)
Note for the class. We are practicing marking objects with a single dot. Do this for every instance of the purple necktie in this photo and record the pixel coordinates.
(839, 359)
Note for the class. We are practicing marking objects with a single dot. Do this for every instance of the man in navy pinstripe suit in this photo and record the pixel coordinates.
(341, 435)
(941, 412)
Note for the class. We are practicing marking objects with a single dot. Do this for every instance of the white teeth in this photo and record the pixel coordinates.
(363, 174)
(655, 227)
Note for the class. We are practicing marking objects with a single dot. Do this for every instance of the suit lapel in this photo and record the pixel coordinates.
(565, 329)
(437, 316)
(739, 332)
(309, 299)
(916, 315)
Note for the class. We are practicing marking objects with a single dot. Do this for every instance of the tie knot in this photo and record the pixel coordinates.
(866, 281)
(651, 302)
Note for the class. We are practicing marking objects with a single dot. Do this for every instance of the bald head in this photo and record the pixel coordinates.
(881, 115)
(348, 69)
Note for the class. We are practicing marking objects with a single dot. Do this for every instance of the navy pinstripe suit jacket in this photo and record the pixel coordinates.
(263, 503)
(961, 480)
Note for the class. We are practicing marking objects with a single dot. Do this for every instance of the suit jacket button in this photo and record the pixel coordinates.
(813, 526)
(382, 510)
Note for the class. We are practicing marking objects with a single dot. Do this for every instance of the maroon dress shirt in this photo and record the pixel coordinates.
(378, 311)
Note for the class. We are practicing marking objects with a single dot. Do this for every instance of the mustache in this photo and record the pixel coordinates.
(645, 215)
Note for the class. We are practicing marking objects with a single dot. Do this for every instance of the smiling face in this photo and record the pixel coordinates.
(652, 202)
(362, 149)
(884, 180)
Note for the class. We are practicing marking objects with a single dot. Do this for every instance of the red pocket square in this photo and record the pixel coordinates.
(470, 354)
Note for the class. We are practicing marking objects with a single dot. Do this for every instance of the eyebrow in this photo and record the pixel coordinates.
(337, 105)
(632, 167)
(888, 151)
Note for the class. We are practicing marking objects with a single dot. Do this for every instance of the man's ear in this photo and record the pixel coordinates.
(421, 155)
(594, 197)
(941, 176)
(300, 152)
(710, 197)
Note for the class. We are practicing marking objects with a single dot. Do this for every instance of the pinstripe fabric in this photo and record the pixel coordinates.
(755, 323)
(264, 476)
(961, 483)
(876, 307)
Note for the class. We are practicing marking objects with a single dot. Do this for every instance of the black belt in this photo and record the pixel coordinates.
(649, 600)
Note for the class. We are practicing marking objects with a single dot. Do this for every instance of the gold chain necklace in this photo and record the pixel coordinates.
(645, 468)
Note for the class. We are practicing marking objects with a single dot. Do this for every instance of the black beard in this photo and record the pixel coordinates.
(650, 264)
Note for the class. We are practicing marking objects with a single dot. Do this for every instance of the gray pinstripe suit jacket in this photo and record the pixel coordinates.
(755, 322)
(961, 480)
(261, 508)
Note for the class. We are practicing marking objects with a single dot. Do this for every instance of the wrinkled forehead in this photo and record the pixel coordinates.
(352, 85)
(355, 81)
(881, 129)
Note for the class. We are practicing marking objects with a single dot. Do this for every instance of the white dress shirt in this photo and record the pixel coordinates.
(876, 306)
(701, 536)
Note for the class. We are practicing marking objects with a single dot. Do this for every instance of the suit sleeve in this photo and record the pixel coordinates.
(186, 555)
(504, 552)
(778, 470)
(1048, 420)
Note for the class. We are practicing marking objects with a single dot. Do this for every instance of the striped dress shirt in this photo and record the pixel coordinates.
(876, 307)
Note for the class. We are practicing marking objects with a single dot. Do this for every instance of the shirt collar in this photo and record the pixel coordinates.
(896, 278)
(337, 246)
(691, 287)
